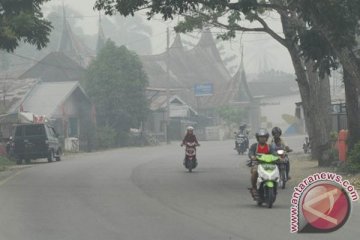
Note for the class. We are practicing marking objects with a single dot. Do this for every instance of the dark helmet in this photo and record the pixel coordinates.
(276, 131)
(262, 132)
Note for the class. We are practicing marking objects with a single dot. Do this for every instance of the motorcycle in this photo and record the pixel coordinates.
(282, 163)
(190, 161)
(10, 146)
(306, 145)
(268, 179)
(241, 143)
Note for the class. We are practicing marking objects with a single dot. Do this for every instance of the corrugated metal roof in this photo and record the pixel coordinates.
(160, 102)
(13, 90)
(45, 97)
(202, 64)
(55, 67)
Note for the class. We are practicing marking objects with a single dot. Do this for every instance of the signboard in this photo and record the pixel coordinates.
(205, 89)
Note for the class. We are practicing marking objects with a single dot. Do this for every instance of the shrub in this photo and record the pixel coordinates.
(353, 161)
(106, 137)
(4, 162)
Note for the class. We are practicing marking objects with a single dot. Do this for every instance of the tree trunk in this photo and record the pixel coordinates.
(319, 114)
(315, 96)
(351, 66)
(352, 110)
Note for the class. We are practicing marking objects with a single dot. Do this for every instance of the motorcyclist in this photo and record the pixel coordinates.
(261, 147)
(242, 128)
(190, 136)
(278, 143)
(9, 145)
(243, 131)
(306, 144)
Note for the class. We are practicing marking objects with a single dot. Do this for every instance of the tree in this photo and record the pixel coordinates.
(330, 39)
(233, 115)
(22, 21)
(116, 83)
(230, 15)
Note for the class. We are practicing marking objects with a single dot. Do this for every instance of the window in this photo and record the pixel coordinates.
(34, 130)
(73, 130)
(18, 132)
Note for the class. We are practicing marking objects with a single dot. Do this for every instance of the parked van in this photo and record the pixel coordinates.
(34, 141)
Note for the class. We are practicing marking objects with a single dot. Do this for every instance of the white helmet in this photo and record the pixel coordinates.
(190, 128)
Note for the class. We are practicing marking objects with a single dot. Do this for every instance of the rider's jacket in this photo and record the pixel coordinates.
(257, 148)
(278, 145)
(190, 138)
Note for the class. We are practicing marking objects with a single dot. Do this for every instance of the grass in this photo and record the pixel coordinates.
(5, 163)
(302, 166)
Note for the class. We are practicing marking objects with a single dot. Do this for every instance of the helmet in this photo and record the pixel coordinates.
(190, 128)
(276, 131)
(262, 132)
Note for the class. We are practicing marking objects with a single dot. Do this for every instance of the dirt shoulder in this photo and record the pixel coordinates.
(302, 166)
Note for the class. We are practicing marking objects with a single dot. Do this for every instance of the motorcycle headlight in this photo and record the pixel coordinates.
(280, 152)
(269, 167)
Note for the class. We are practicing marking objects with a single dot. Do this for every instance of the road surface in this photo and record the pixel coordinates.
(145, 193)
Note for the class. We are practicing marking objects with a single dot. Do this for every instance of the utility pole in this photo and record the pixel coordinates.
(167, 85)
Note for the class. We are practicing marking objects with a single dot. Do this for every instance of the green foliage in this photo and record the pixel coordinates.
(106, 137)
(353, 161)
(333, 155)
(4, 163)
(116, 83)
(22, 21)
(333, 24)
(232, 115)
(333, 136)
(340, 18)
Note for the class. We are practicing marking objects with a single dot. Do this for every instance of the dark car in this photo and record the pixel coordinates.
(34, 141)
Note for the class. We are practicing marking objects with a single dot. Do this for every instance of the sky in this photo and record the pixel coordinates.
(261, 52)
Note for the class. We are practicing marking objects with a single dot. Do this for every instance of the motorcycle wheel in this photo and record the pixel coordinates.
(260, 194)
(283, 179)
(188, 165)
(270, 197)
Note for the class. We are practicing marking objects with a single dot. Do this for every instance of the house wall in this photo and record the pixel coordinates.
(274, 108)
(77, 110)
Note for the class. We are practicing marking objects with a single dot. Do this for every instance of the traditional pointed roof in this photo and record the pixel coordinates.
(207, 41)
(55, 67)
(243, 86)
(66, 42)
(235, 91)
(71, 46)
(101, 37)
(202, 64)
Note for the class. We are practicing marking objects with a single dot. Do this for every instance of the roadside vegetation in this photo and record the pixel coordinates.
(352, 165)
(5, 163)
(116, 83)
(303, 166)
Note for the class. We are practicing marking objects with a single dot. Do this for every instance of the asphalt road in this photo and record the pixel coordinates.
(145, 193)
